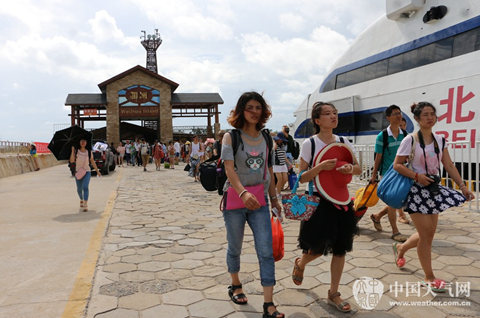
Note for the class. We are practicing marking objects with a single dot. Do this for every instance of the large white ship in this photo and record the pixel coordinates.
(421, 50)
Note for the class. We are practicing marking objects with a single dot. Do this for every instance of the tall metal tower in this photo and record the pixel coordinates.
(151, 42)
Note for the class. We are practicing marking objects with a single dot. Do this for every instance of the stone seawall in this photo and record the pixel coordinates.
(13, 164)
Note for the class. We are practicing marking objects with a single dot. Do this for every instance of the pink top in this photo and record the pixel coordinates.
(121, 150)
(418, 164)
(82, 160)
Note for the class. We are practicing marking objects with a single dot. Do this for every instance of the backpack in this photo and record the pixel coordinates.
(296, 150)
(385, 145)
(221, 176)
(208, 175)
(237, 141)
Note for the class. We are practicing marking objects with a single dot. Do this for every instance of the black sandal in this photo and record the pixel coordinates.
(275, 314)
(235, 298)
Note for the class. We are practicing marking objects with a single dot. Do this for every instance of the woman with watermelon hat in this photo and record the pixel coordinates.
(329, 161)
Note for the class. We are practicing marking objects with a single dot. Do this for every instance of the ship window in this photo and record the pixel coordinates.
(376, 70)
(305, 130)
(370, 121)
(443, 49)
(410, 59)
(329, 85)
(341, 80)
(459, 44)
(355, 76)
(426, 54)
(477, 42)
(464, 43)
(346, 125)
(395, 64)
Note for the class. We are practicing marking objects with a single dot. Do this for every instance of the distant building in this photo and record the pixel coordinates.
(140, 94)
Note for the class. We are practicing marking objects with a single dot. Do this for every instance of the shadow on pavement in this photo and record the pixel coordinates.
(78, 217)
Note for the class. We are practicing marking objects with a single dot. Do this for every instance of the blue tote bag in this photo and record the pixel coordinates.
(393, 188)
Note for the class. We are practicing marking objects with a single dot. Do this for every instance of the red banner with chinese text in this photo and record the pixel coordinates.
(42, 147)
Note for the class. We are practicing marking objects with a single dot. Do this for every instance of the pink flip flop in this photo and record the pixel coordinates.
(400, 262)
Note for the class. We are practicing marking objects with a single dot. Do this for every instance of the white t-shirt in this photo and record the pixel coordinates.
(195, 149)
(144, 149)
(418, 164)
(306, 152)
(176, 145)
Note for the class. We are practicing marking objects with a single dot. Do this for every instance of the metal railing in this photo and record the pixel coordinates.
(465, 157)
(14, 147)
(199, 130)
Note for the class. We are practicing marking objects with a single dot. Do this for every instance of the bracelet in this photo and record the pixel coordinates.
(416, 177)
(463, 186)
(274, 198)
(242, 193)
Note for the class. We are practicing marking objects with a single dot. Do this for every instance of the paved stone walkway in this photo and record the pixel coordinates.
(164, 256)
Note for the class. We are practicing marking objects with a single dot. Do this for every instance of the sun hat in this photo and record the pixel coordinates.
(280, 136)
(332, 184)
(366, 196)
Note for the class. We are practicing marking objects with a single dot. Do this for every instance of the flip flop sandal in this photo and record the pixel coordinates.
(274, 314)
(376, 224)
(399, 237)
(235, 298)
(438, 285)
(340, 307)
(400, 262)
(297, 273)
(403, 220)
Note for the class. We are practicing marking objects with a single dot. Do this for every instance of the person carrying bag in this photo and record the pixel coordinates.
(426, 198)
(249, 172)
(330, 162)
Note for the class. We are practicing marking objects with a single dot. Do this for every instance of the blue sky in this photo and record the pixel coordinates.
(283, 48)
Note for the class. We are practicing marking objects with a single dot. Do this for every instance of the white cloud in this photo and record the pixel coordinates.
(283, 47)
(186, 19)
(203, 28)
(293, 22)
(55, 54)
(104, 27)
(35, 16)
(204, 76)
(295, 56)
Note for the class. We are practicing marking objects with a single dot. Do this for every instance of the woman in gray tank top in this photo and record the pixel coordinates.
(247, 166)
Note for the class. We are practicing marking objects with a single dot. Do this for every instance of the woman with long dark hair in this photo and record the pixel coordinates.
(427, 198)
(250, 165)
(83, 158)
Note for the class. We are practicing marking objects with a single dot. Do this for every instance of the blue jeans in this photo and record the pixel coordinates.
(82, 186)
(259, 222)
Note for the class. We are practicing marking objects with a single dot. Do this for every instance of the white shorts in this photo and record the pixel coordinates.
(278, 169)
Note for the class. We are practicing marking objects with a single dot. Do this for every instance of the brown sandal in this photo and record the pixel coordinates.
(341, 306)
(297, 273)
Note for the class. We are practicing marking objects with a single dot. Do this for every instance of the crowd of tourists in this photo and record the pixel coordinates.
(257, 164)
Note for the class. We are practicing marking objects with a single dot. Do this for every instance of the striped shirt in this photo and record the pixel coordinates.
(280, 156)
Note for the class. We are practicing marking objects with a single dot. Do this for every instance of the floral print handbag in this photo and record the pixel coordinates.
(300, 206)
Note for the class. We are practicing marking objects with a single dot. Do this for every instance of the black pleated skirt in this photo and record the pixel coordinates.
(330, 230)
